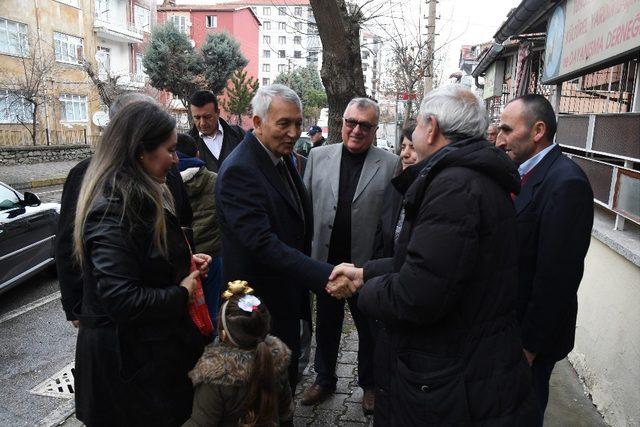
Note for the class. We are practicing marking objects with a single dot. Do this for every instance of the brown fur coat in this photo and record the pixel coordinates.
(221, 377)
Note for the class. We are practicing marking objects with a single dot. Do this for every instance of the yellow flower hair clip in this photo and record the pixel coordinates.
(237, 287)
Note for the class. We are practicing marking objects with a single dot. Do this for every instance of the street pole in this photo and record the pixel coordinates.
(431, 41)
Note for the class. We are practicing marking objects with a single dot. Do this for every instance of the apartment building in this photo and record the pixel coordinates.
(61, 35)
(371, 54)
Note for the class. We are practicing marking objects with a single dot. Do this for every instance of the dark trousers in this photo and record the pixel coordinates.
(329, 318)
(288, 330)
(540, 375)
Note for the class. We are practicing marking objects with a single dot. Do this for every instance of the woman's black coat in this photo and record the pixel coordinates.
(136, 341)
(447, 297)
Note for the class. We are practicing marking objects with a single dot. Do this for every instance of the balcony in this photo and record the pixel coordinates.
(118, 32)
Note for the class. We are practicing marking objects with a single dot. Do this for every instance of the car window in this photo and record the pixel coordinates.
(8, 199)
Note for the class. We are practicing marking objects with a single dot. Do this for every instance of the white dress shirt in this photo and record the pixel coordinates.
(214, 143)
(528, 165)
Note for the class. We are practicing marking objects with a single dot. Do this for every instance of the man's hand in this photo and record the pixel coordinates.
(202, 263)
(529, 356)
(341, 287)
(356, 275)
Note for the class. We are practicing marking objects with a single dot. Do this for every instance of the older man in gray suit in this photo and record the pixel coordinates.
(346, 183)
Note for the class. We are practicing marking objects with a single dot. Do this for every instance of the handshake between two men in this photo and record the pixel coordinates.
(344, 281)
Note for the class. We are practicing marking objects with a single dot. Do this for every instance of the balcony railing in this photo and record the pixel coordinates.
(118, 31)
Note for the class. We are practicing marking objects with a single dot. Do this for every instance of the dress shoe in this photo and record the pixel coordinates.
(368, 401)
(316, 394)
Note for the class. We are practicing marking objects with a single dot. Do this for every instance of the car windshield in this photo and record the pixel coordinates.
(8, 199)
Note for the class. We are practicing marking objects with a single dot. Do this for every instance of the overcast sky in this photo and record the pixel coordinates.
(468, 22)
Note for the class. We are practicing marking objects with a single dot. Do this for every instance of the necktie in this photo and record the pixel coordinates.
(288, 183)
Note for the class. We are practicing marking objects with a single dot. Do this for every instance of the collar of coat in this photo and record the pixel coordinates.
(221, 364)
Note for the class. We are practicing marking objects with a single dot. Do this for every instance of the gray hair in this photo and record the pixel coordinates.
(459, 112)
(364, 104)
(262, 99)
(126, 99)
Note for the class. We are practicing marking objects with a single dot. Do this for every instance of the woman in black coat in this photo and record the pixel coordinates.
(136, 341)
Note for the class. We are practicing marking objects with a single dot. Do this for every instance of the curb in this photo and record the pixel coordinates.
(37, 183)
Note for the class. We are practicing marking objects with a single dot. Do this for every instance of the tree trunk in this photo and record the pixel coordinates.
(34, 124)
(341, 63)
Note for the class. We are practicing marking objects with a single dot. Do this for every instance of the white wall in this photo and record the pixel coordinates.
(607, 348)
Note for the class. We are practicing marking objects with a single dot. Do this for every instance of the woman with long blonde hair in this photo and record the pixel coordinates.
(136, 340)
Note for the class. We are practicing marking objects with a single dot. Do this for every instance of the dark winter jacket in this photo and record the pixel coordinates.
(136, 341)
(232, 136)
(447, 297)
(221, 380)
(69, 274)
(200, 184)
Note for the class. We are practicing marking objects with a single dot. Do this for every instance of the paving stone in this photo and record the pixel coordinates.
(352, 424)
(303, 411)
(348, 357)
(350, 346)
(345, 371)
(334, 403)
(302, 421)
(343, 386)
(354, 413)
(355, 396)
(326, 417)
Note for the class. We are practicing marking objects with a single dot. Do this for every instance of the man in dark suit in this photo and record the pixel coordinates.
(69, 274)
(555, 214)
(266, 221)
(216, 138)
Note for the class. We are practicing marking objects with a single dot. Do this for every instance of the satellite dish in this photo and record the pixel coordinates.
(100, 118)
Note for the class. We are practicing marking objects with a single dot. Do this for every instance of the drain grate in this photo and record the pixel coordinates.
(61, 384)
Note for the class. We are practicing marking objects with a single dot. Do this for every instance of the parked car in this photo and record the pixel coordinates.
(303, 145)
(27, 233)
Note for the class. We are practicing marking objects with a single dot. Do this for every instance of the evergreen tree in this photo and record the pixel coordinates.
(172, 64)
(239, 95)
(306, 83)
(222, 56)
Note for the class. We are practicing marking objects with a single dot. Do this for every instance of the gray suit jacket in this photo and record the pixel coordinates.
(322, 179)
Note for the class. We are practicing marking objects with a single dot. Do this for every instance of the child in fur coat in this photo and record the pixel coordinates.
(242, 378)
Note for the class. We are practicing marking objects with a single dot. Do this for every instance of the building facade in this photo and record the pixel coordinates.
(44, 48)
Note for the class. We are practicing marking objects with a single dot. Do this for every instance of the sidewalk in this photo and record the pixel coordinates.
(22, 177)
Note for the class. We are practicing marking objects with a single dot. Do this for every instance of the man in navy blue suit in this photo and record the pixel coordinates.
(555, 215)
(266, 220)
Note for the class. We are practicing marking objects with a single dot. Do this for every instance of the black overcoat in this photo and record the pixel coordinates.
(447, 297)
(232, 136)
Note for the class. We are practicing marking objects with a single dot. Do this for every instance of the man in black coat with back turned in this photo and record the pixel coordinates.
(216, 138)
(69, 274)
(555, 215)
(447, 297)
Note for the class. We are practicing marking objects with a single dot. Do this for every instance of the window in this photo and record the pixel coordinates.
(282, 11)
(297, 11)
(13, 38)
(141, 18)
(310, 13)
(266, 68)
(282, 40)
(73, 108)
(181, 23)
(266, 53)
(68, 48)
(139, 67)
(297, 40)
(365, 66)
(266, 39)
(74, 3)
(14, 108)
(365, 54)
(298, 26)
(297, 54)
(312, 57)
(266, 82)
(266, 25)
(212, 21)
(281, 54)
(282, 26)
(282, 68)
(102, 10)
(266, 11)
(103, 56)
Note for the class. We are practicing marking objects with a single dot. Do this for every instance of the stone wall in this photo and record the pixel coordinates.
(39, 154)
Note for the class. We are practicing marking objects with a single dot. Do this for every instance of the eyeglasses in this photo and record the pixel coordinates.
(364, 126)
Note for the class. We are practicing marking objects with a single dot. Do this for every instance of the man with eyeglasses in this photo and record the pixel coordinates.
(216, 138)
(346, 182)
